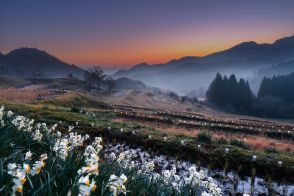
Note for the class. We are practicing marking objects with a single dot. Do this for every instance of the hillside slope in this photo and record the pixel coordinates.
(31, 62)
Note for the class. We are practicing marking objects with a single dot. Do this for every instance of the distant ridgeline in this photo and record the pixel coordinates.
(279, 69)
(275, 97)
(193, 73)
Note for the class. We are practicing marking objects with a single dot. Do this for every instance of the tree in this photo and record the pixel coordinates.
(94, 75)
(279, 87)
(228, 92)
(265, 87)
(110, 83)
(214, 92)
(88, 79)
(98, 75)
(232, 89)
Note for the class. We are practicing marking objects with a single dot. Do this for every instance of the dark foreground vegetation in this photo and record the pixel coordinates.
(54, 160)
(75, 107)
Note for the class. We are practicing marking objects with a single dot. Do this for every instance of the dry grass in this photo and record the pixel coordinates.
(162, 127)
(257, 142)
(22, 95)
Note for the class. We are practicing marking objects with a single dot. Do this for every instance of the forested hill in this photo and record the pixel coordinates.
(281, 87)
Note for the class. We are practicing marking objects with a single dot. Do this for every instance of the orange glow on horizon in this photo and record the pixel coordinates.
(120, 34)
(152, 53)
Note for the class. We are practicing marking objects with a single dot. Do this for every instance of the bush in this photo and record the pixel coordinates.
(205, 137)
(76, 109)
(45, 107)
(240, 144)
(270, 150)
(221, 141)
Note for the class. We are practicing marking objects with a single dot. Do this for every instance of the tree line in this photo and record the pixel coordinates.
(278, 86)
(97, 79)
(229, 92)
(275, 96)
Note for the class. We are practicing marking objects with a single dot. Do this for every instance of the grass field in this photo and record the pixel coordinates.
(249, 148)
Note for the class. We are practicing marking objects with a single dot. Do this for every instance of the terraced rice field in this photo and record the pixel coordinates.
(243, 155)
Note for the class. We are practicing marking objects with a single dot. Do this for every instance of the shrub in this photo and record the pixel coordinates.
(240, 144)
(270, 150)
(221, 141)
(205, 137)
(76, 109)
(45, 107)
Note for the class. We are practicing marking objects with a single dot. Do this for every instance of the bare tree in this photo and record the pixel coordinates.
(88, 80)
(110, 83)
(94, 75)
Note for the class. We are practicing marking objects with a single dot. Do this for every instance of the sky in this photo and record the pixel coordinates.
(121, 33)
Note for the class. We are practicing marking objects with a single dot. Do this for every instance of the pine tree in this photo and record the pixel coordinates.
(229, 92)
(214, 92)
(279, 87)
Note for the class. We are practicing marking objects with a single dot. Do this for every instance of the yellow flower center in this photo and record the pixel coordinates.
(94, 187)
(38, 170)
(88, 182)
(88, 168)
(23, 181)
(19, 189)
(28, 169)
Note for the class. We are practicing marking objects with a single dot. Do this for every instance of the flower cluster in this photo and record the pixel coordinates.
(26, 125)
(168, 175)
(121, 157)
(61, 148)
(149, 166)
(91, 168)
(86, 186)
(1, 112)
(198, 179)
(76, 140)
(9, 114)
(52, 129)
(20, 173)
(87, 174)
(38, 165)
(70, 128)
(21, 122)
(117, 184)
(145, 164)
(42, 126)
(37, 135)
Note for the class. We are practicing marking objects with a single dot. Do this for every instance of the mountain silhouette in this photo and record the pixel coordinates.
(280, 69)
(194, 72)
(29, 62)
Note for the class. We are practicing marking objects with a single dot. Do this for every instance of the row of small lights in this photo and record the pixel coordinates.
(199, 123)
(194, 116)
